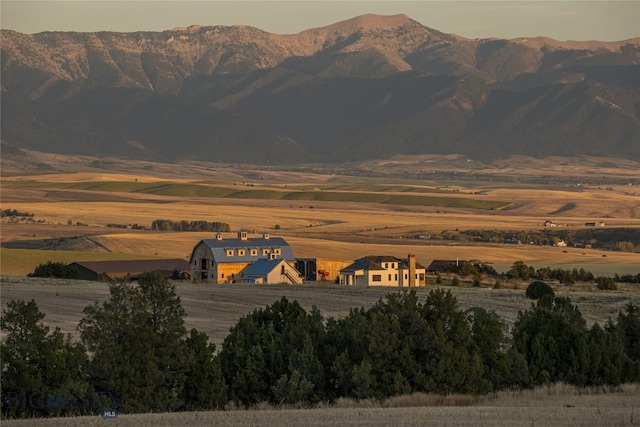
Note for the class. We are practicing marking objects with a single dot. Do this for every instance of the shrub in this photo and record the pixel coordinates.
(606, 283)
(538, 289)
(55, 269)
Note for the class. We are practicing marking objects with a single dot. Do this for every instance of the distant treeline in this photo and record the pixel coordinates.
(614, 239)
(521, 271)
(14, 212)
(168, 225)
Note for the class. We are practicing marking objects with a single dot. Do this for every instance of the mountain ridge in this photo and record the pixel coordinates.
(368, 87)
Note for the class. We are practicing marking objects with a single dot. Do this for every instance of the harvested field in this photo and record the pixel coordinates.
(214, 309)
(97, 214)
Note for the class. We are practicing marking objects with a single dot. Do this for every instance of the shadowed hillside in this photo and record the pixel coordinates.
(366, 88)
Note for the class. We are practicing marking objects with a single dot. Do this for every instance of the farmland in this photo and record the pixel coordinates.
(388, 207)
(83, 210)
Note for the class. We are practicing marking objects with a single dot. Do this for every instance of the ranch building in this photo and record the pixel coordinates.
(131, 269)
(320, 269)
(384, 271)
(271, 271)
(223, 260)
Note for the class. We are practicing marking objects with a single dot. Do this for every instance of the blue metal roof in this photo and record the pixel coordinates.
(219, 249)
(261, 267)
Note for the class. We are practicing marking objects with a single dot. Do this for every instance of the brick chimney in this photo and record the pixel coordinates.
(412, 270)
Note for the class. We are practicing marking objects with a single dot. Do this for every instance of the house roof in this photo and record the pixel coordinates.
(262, 267)
(374, 262)
(134, 266)
(443, 264)
(219, 248)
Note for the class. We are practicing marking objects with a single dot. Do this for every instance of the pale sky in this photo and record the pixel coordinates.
(603, 20)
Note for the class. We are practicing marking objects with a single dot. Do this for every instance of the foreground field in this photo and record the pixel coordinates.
(214, 309)
(556, 405)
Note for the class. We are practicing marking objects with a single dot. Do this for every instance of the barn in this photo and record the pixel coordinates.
(223, 259)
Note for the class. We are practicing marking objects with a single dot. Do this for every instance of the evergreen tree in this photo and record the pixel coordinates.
(204, 388)
(272, 349)
(488, 335)
(139, 346)
(43, 372)
(55, 269)
(552, 338)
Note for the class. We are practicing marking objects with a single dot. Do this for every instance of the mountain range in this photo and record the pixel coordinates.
(369, 87)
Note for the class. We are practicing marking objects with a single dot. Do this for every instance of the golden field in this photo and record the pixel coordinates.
(321, 214)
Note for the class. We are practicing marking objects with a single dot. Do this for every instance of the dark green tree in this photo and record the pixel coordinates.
(552, 338)
(519, 270)
(138, 343)
(487, 330)
(608, 362)
(451, 360)
(55, 269)
(537, 289)
(204, 387)
(43, 371)
(272, 349)
(628, 328)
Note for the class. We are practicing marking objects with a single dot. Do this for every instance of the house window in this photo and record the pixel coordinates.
(376, 278)
(277, 251)
(254, 252)
(389, 279)
(229, 252)
(396, 277)
(265, 251)
(386, 265)
(406, 276)
(240, 252)
(222, 275)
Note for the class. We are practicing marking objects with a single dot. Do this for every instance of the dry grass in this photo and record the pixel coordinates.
(344, 230)
(558, 405)
(214, 309)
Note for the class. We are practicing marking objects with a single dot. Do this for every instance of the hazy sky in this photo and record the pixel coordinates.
(562, 20)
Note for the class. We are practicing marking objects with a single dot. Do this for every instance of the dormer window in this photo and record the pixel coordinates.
(229, 252)
(265, 236)
(242, 234)
(277, 251)
(265, 251)
(254, 252)
(241, 252)
(218, 236)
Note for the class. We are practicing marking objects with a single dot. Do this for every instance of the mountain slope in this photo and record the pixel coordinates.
(369, 87)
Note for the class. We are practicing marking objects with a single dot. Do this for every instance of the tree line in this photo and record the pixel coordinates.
(168, 225)
(614, 239)
(134, 353)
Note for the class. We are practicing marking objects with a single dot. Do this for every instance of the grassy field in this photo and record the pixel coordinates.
(214, 309)
(557, 405)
